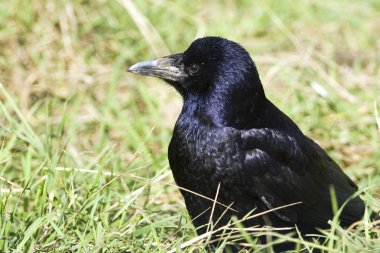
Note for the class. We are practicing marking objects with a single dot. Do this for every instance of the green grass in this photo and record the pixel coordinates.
(83, 144)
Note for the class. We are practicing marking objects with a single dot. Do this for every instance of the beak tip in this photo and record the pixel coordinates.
(167, 68)
(145, 65)
(132, 68)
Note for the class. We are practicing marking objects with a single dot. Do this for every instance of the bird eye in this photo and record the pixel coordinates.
(193, 69)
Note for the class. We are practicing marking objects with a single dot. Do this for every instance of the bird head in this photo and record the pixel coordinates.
(218, 72)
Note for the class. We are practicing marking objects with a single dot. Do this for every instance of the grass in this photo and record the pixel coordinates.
(83, 144)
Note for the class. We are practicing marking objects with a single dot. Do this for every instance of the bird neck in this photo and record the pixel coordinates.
(243, 112)
(237, 102)
(241, 109)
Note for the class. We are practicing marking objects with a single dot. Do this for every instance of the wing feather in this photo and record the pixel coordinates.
(285, 169)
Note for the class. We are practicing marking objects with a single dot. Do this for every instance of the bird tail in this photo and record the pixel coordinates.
(375, 219)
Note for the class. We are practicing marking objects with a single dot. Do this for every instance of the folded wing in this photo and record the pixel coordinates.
(285, 170)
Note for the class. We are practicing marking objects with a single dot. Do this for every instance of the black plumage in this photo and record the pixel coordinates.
(229, 135)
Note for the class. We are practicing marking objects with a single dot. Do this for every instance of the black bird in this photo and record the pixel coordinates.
(230, 143)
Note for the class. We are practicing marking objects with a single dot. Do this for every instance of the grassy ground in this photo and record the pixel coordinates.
(83, 144)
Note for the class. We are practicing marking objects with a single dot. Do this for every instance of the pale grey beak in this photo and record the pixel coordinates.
(169, 68)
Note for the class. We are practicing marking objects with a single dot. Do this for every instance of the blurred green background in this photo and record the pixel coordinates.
(83, 143)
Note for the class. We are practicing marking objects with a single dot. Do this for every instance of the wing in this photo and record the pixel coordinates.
(285, 170)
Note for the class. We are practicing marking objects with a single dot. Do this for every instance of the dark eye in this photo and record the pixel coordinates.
(193, 69)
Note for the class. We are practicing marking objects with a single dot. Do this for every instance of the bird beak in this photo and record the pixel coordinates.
(169, 68)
